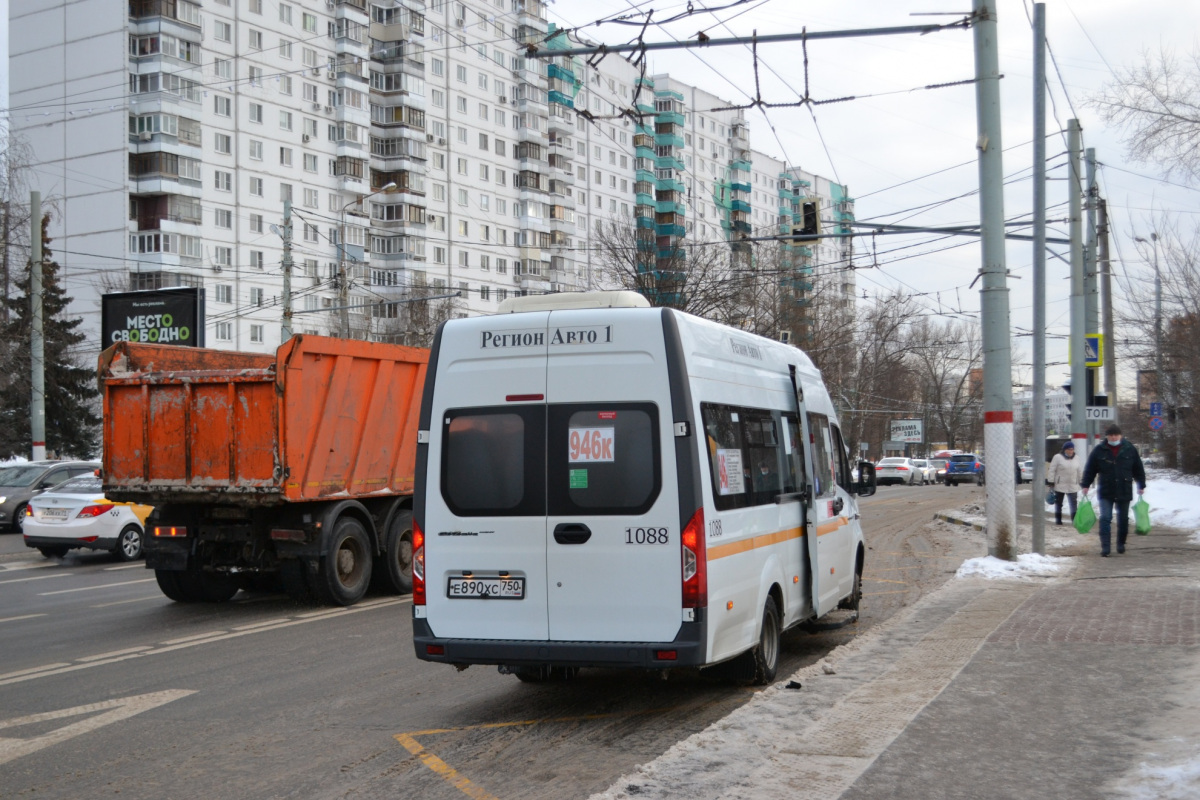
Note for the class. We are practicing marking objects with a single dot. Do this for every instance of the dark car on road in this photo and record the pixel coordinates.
(963, 468)
(20, 482)
(982, 476)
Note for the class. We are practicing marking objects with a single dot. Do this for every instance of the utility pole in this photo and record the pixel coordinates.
(997, 363)
(287, 271)
(1158, 365)
(1091, 284)
(1078, 307)
(4, 262)
(1038, 406)
(1110, 344)
(37, 340)
(343, 279)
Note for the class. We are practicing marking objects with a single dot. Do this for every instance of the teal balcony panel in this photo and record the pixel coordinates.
(671, 230)
(741, 205)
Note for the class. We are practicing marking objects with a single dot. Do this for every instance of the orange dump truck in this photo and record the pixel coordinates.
(296, 467)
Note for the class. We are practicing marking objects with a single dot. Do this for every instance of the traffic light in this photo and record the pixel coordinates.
(810, 225)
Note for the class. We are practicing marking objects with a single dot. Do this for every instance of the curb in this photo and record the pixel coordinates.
(953, 520)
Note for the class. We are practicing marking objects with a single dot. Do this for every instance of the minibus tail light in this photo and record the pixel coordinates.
(418, 565)
(695, 563)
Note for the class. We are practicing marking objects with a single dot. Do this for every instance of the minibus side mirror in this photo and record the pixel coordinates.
(865, 486)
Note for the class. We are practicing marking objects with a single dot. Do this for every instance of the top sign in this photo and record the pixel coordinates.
(1093, 350)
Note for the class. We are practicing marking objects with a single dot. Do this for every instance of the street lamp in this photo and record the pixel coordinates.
(343, 279)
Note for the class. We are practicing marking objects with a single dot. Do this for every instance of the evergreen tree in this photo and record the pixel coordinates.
(71, 394)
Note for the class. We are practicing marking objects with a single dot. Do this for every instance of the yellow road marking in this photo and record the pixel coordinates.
(473, 790)
(885, 580)
(443, 770)
(896, 591)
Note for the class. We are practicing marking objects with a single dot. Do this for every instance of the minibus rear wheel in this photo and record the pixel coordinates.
(766, 655)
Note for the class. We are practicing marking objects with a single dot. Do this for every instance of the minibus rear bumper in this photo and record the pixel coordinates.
(687, 650)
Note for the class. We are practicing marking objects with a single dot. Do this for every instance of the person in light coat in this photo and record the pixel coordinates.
(1064, 475)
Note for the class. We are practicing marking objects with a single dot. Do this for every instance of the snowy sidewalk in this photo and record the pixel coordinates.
(1081, 685)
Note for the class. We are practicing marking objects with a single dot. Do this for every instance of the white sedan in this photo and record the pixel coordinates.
(897, 470)
(76, 514)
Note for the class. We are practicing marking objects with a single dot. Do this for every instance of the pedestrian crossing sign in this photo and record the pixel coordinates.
(1093, 350)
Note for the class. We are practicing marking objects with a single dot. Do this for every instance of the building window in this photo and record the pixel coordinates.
(222, 143)
(256, 150)
(256, 332)
(285, 49)
(460, 72)
(285, 156)
(223, 218)
(223, 181)
(256, 187)
(224, 330)
(311, 198)
(464, 258)
(256, 113)
(222, 106)
(222, 31)
(256, 40)
(256, 261)
(223, 256)
(256, 223)
(310, 162)
(285, 120)
(285, 192)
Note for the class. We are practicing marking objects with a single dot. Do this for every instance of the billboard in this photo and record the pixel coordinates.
(911, 431)
(155, 316)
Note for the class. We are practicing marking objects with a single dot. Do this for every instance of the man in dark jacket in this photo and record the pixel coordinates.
(1118, 465)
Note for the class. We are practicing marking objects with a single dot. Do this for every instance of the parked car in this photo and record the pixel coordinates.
(964, 467)
(928, 473)
(20, 482)
(939, 468)
(76, 514)
(897, 470)
(1026, 471)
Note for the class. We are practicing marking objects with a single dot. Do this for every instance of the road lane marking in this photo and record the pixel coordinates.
(894, 591)
(23, 616)
(443, 770)
(473, 790)
(254, 625)
(194, 637)
(123, 602)
(884, 580)
(31, 669)
(21, 566)
(115, 711)
(113, 654)
(37, 578)
(191, 641)
(93, 588)
(125, 566)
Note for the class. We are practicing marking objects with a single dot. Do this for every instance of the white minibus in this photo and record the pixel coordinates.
(604, 484)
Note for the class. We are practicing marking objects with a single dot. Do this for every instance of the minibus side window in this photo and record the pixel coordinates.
(604, 459)
(823, 469)
(843, 466)
(793, 452)
(493, 461)
(746, 455)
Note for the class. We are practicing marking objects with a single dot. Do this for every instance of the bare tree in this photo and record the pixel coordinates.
(1156, 102)
(700, 278)
(945, 355)
(413, 322)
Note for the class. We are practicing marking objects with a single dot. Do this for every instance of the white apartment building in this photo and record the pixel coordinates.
(421, 154)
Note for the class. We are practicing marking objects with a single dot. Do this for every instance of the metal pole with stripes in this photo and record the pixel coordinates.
(997, 359)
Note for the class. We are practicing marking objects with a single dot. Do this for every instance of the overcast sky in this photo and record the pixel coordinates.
(873, 144)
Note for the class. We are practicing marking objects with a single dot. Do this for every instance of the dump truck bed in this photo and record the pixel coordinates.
(322, 418)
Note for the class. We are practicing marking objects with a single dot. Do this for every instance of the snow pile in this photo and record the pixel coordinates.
(1027, 565)
(1174, 504)
(1175, 782)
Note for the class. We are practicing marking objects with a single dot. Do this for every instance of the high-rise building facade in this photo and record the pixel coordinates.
(421, 154)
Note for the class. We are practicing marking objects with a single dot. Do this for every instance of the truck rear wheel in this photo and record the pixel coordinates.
(168, 582)
(194, 586)
(345, 571)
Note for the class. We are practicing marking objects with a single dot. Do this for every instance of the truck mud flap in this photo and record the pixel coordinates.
(169, 556)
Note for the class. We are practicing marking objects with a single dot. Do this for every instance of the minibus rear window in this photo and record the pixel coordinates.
(493, 461)
(604, 459)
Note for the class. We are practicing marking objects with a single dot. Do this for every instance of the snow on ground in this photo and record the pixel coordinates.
(1027, 565)
(1179, 781)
